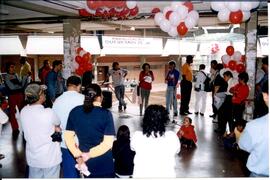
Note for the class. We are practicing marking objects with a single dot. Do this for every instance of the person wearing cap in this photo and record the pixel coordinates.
(171, 79)
(62, 107)
(186, 86)
(255, 140)
(43, 156)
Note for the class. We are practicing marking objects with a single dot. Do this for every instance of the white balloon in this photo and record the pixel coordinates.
(246, 6)
(217, 5)
(165, 25)
(246, 15)
(234, 6)
(173, 31)
(158, 18)
(131, 4)
(225, 58)
(194, 14)
(237, 56)
(182, 11)
(224, 15)
(175, 19)
(166, 9)
(190, 22)
(175, 5)
(255, 4)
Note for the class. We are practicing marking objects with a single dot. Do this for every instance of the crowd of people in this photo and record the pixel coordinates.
(66, 119)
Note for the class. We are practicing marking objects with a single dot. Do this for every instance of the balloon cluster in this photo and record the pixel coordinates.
(82, 61)
(234, 11)
(234, 60)
(177, 19)
(114, 9)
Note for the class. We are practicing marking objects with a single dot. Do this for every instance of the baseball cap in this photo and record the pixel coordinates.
(33, 91)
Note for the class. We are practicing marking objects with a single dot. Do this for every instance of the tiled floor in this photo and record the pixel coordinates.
(209, 159)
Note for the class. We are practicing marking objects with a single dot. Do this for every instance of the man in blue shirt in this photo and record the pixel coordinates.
(55, 82)
(172, 80)
(255, 140)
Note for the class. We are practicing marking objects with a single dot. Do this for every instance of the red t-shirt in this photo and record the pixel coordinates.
(146, 79)
(189, 133)
(44, 73)
(240, 93)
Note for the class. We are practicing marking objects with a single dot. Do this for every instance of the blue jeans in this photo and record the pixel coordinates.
(120, 93)
(68, 164)
(52, 172)
(171, 97)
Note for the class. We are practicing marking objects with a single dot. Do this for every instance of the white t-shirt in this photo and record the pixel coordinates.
(38, 125)
(155, 157)
(62, 107)
(118, 76)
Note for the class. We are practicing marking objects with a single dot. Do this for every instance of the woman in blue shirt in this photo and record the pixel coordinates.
(93, 125)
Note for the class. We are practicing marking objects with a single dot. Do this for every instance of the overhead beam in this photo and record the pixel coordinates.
(43, 7)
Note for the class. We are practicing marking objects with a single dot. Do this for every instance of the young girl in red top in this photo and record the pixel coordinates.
(146, 78)
(240, 93)
(187, 134)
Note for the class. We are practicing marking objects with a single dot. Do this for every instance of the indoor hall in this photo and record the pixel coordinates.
(88, 36)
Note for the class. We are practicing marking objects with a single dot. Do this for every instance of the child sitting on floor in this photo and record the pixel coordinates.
(187, 134)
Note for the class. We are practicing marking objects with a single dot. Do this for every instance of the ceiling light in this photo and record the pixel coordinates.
(132, 28)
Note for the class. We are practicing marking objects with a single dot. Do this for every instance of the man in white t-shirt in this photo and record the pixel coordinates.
(118, 77)
(38, 124)
(62, 107)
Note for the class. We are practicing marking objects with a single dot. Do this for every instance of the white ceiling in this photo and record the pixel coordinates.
(44, 14)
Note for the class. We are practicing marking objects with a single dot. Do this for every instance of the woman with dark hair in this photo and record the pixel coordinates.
(154, 146)
(122, 154)
(146, 78)
(240, 93)
(94, 128)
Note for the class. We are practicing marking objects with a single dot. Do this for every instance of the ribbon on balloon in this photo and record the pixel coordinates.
(177, 19)
(234, 60)
(82, 61)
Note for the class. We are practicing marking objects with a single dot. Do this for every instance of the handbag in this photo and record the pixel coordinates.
(3, 117)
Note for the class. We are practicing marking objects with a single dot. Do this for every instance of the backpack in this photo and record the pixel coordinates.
(207, 86)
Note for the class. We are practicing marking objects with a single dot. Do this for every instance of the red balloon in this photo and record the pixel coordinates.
(112, 12)
(225, 65)
(86, 57)
(232, 65)
(189, 5)
(168, 15)
(236, 17)
(240, 68)
(155, 10)
(134, 11)
(83, 12)
(124, 13)
(79, 59)
(79, 50)
(88, 67)
(243, 58)
(230, 50)
(93, 4)
(99, 12)
(79, 71)
(182, 29)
